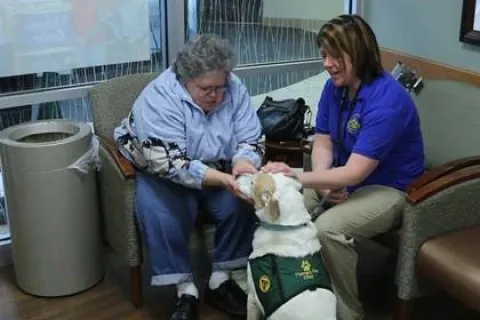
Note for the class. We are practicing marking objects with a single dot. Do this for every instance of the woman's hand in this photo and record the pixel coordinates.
(338, 196)
(243, 167)
(229, 182)
(279, 167)
(334, 196)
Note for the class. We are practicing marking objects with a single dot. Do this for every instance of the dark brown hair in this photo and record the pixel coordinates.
(351, 35)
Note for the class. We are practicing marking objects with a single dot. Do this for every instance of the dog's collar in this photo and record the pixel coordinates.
(279, 227)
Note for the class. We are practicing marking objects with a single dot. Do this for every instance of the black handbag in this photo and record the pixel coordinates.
(283, 120)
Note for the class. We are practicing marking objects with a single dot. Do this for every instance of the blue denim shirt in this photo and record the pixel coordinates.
(165, 111)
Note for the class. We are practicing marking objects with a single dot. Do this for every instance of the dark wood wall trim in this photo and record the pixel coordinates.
(429, 69)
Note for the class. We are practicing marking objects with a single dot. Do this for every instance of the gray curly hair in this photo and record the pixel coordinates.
(204, 54)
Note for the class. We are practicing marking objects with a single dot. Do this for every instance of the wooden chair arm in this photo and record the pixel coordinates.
(127, 169)
(294, 146)
(443, 182)
(438, 178)
(441, 171)
(307, 147)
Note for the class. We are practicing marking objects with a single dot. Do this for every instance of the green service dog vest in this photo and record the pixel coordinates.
(279, 279)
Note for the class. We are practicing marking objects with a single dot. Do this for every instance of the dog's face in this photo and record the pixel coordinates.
(264, 196)
(268, 191)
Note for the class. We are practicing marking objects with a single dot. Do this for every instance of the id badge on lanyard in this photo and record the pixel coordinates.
(340, 149)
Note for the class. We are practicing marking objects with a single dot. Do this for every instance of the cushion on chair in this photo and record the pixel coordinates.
(453, 260)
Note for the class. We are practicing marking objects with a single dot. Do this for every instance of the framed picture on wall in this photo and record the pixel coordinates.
(470, 25)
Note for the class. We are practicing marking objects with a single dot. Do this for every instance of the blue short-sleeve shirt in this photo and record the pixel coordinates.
(382, 123)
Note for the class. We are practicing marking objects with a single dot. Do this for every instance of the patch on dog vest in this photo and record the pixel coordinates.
(279, 279)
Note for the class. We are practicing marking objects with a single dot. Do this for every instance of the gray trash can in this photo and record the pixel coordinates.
(50, 191)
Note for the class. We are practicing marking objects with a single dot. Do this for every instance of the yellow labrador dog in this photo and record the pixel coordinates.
(286, 276)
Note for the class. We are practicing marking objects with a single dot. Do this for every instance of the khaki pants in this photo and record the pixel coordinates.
(367, 212)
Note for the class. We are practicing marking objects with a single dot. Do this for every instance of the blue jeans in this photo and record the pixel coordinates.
(166, 213)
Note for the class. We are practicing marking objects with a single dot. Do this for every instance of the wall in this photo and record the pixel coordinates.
(303, 9)
(426, 28)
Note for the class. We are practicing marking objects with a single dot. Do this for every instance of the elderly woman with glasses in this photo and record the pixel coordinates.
(190, 132)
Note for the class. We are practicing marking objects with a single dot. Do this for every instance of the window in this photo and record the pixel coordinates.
(264, 31)
(48, 79)
(267, 33)
(48, 82)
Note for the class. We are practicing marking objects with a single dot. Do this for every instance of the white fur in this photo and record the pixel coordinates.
(308, 305)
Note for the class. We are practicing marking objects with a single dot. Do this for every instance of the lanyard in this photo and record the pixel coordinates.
(339, 145)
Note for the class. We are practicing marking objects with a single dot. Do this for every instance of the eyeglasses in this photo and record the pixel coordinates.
(206, 91)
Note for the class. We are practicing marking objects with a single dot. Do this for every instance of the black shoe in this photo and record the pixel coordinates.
(186, 308)
(229, 298)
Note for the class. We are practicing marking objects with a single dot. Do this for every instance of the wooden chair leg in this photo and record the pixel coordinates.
(403, 309)
(136, 286)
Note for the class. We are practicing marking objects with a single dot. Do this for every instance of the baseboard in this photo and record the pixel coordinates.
(311, 25)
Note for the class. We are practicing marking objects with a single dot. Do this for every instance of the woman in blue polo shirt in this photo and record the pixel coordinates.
(368, 147)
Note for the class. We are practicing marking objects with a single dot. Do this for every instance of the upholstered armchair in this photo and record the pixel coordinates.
(446, 198)
(111, 101)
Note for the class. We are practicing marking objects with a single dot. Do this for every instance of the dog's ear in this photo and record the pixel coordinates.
(274, 208)
(258, 201)
(265, 195)
(263, 188)
(268, 199)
